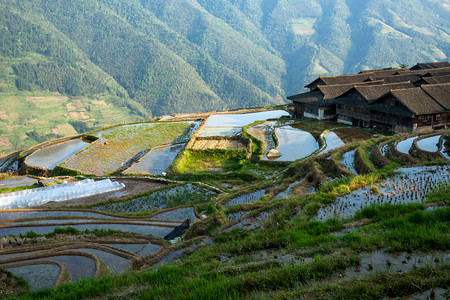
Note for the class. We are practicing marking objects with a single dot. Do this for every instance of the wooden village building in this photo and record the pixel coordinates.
(415, 99)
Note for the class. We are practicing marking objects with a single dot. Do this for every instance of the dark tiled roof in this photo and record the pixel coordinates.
(333, 91)
(373, 92)
(439, 92)
(436, 79)
(382, 72)
(342, 79)
(313, 98)
(413, 78)
(437, 72)
(433, 65)
(327, 92)
(417, 101)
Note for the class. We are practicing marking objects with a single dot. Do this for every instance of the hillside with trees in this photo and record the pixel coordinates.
(165, 56)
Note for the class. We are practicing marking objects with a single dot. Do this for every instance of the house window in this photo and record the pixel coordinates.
(313, 111)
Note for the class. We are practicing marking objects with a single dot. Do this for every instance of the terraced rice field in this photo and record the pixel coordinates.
(161, 199)
(294, 143)
(179, 214)
(429, 144)
(18, 181)
(333, 141)
(38, 276)
(445, 150)
(231, 124)
(348, 160)
(405, 145)
(288, 191)
(49, 158)
(264, 132)
(246, 198)
(220, 131)
(116, 148)
(42, 263)
(157, 161)
(412, 185)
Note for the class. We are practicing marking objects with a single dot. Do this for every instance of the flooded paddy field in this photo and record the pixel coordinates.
(38, 276)
(18, 181)
(264, 132)
(348, 160)
(175, 196)
(220, 131)
(237, 215)
(385, 148)
(115, 263)
(241, 120)
(148, 250)
(445, 149)
(381, 260)
(412, 185)
(157, 161)
(231, 124)
(246, 198)
(429, 144)
(119, 148)
(251, 223)
(287, 192)
(294, 143)
(405, 145)
(141, 229)
(49, 158)
(180, 214)
(31, 214)
(333, 141)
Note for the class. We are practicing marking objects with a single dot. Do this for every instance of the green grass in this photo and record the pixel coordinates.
(441, 194)
(18, 188)
(198, 161)
(377, 286)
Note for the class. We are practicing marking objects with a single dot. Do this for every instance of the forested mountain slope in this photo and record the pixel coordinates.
(168, 56)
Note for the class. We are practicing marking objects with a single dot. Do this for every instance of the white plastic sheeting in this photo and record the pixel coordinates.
(61, 192)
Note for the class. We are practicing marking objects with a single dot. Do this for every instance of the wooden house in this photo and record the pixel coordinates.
(353, 106)
(415, 99)
(407, 110)
(319, 104)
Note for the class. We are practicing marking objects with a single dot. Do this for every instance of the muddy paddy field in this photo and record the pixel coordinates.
(342, 213)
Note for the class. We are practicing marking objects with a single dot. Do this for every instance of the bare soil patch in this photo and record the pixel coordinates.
(4, 142)
(8, 284)
(99, 103)
(3, 115)
(358, 223)
(46, 98)
(349, 135)
(217, 144)
(78, 115)
(133, 186)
